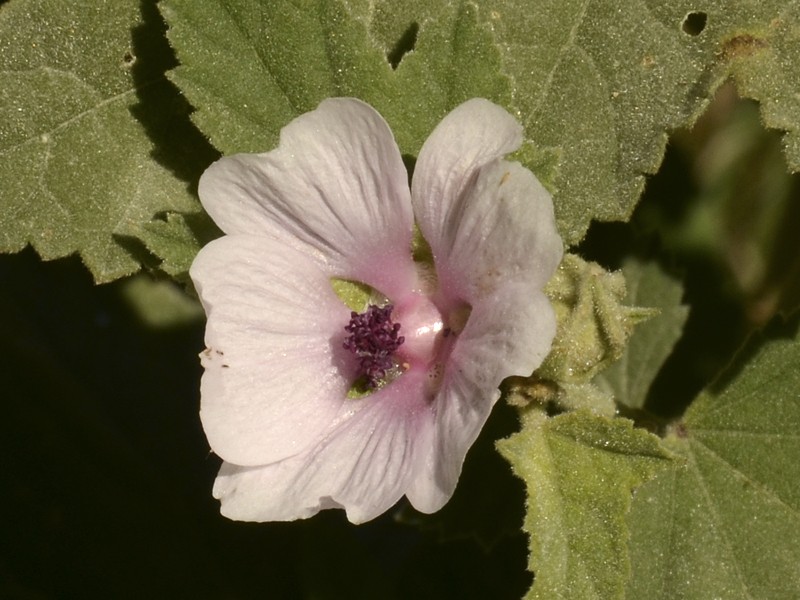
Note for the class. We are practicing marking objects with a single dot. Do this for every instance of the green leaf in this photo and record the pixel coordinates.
(177, 239)
(76, 165)
(250, 67)
(761, 57)
(597, 86)
(455, 58)
(629, 378)
(579, 470)
(600, 84)
(727, 525)
(160, 304)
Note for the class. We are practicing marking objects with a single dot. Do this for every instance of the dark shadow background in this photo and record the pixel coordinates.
(106, 475)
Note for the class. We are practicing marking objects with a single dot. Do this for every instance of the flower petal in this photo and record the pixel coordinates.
(275, 372)
(506, 335)
(364, 464)
(474, 134)
(336, 184)
(502, 231)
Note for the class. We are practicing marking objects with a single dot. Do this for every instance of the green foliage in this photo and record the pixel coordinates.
(761, 56)
(596, 86)
(727, 523)
(252, 67)
(579, 470)
(80, 100)
(630, 377)
(176, 239)
(600, 84)
(95, 142)
(454, 58)
(160, 304)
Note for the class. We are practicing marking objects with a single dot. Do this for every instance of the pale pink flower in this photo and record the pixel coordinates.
(333, 201)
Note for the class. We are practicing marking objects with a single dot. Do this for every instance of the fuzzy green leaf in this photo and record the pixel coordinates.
(250, 67)
(761, 56)
(177, 239)
(600, 83)
(597, 86)
(630, 377)
(579, 470)
(454, 58)
(727, 525)
(160, 304)
(76, 165)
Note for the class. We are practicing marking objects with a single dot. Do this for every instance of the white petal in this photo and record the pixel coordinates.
(505, 336)
(336, 183)
(504, 232)
(364, 465)
(491, 228)
(474, 134)
(275, 372)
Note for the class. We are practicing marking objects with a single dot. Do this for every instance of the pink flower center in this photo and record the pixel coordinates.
(374, 340)
(423, 326)
(383, 353)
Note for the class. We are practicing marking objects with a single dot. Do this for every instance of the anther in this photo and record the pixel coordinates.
(374, 339)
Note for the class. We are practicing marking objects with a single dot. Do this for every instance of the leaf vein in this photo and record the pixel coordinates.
(753, 434)
(263, 61)
(673, 536)
(570, 43)
(715, 517)
(100, 105)
(767, 490)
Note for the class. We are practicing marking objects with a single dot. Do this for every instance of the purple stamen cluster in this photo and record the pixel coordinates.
(373, 339)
